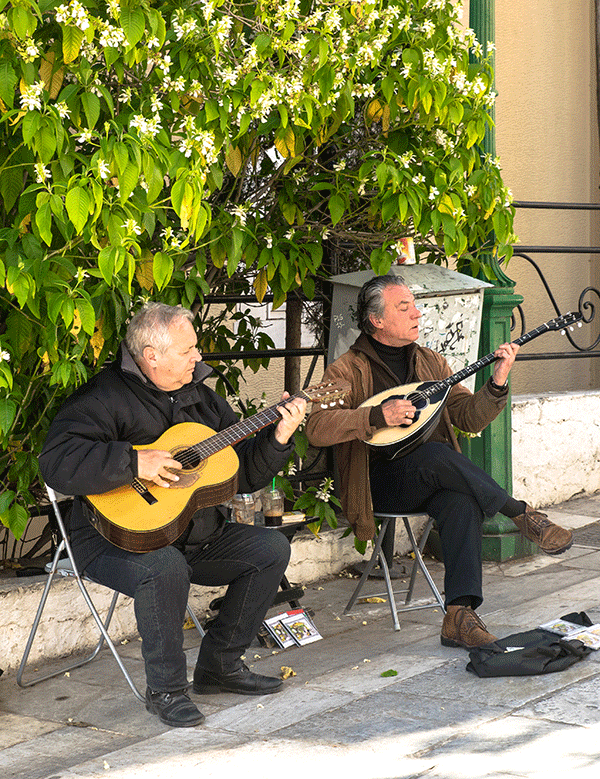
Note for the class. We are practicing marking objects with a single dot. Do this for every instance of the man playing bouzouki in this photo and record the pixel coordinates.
(156, 382)
(435, 477)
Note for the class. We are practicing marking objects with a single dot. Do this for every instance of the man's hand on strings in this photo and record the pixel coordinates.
(292, 414)
(157, 466)
(398, 411)
(506, 354)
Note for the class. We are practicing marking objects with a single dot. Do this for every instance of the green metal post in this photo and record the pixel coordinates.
(492, 451)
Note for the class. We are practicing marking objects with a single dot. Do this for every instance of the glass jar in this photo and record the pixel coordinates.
(243, 509)
(272, 506)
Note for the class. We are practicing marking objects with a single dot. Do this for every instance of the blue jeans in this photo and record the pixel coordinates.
(448, 486)
(250, 560)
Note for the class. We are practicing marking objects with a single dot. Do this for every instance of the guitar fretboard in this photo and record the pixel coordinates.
(236, 432)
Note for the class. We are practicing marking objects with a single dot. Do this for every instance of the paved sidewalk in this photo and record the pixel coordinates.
(338, 715)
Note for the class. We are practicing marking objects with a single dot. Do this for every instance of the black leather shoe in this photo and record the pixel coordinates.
(174, 708)
(242, 681)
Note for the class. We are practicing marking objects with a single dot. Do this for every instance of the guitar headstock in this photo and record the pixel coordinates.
(328, 393)
(564, 320)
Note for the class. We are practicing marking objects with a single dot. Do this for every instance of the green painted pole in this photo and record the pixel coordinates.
(492, 451)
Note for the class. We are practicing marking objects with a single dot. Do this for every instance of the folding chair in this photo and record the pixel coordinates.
(384, 541)
(66, 566)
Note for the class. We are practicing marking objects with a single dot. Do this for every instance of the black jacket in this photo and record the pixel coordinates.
(89, 446)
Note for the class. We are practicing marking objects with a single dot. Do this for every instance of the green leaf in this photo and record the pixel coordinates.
(72, 39)
(11, 184)
(133, 24)
(391, 672)
(106, 264)
(15, 519)
(22, 21)
(30, 125)
(162, 269)
(337, 207)
(91, 106)
(78, 207)
(87, 315)
(8, 412)
(43, 220)
(8, 82)
(128, 181)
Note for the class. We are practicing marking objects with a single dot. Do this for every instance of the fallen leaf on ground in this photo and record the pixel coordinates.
(286, 672)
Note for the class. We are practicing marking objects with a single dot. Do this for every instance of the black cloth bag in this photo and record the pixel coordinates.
(531, 652)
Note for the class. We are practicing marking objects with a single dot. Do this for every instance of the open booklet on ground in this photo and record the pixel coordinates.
(590, 636)
(292, 628)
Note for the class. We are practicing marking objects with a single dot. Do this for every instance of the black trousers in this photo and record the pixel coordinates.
(448, 486)
(250, 560)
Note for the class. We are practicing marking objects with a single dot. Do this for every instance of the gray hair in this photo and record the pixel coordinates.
(150, 327)
(370, 301)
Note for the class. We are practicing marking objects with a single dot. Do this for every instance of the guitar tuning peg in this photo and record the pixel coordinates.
(578, 324)
(562, 332)
(332, 404)
(341, 401)
(323, 405)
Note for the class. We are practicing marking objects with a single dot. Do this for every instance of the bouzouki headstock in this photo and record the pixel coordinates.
(564, 320)
(328, 393)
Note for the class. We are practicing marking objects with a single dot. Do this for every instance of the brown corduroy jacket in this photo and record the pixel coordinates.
(348, 426)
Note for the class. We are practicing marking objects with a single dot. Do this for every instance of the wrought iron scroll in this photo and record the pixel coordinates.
(586, 308)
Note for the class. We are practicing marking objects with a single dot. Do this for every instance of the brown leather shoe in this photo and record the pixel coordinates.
(536, 527)
(462, 627)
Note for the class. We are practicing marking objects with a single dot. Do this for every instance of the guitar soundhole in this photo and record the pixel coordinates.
(189, 459)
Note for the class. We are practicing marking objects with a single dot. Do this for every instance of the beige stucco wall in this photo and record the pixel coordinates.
(547, 141)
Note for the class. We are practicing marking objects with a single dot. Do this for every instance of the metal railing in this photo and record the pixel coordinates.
(586, 307)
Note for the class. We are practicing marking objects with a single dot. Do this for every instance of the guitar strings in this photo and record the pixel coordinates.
(192, 455)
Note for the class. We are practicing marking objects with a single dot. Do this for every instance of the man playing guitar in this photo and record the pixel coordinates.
(157, 382)
(435, 477)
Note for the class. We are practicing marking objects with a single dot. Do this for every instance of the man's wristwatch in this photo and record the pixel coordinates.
(497, 386)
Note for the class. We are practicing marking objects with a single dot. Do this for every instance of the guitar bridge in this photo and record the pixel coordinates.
(144, 492)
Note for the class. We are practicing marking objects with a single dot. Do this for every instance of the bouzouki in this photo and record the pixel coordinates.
(429, 398)
(142, 516)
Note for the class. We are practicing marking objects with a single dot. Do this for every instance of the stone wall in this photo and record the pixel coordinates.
(555, 446)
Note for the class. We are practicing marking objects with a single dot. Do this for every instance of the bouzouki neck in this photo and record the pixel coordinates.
(555, 324)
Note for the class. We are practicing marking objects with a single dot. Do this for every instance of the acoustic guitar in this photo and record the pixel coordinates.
(142, 516)
(429, 398)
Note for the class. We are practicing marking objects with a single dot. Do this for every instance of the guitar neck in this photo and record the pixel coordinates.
(469, 370)
(242, 429)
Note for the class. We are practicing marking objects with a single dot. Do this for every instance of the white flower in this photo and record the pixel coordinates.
(433, 193)
(269, 241)
(32, 96)
(325, 489)
(41, 173)
(103, 169)
(132, 227)
(4, 356)
(341, 165)
(153, 43)
(241, 213)
(86, 135)
(63, 110)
